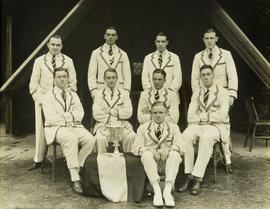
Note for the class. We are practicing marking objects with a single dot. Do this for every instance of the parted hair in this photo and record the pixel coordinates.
(160, 71)
(60, 69)
(162, 34)
(206, 67)
(159, 103)
(110, 70)
(55, 36)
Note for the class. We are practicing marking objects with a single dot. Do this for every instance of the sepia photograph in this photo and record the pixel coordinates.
(126, 104)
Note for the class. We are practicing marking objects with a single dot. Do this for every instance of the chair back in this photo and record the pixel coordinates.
(252, 113)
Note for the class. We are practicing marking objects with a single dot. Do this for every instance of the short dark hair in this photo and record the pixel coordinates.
(60, 69)
(159, 103)
(206, 67)
(160, 71)
(210, 30)
(162, 34)
(112, 28)
(110, 70)
(55, 36)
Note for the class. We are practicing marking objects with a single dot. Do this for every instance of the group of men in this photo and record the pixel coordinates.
(158, 140)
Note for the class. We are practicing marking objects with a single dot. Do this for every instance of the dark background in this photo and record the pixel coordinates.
(138, 22)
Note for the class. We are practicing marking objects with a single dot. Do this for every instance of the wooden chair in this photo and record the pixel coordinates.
(218, 151)
(253, 122)
(51, 160)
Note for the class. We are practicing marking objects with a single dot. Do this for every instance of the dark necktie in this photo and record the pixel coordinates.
(158, 132)
(53, 62)
(205, 98)
(160, 60)
(112, 95)
(210, 55)
(111, 59)
(63, 94)
(156, 96)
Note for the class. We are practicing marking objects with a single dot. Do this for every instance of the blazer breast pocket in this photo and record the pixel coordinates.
(170, 66)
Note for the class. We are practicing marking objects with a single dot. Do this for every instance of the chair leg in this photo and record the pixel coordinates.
(43, 164)
(252, 138)
(223, 157)
(247, 136)
(215, 163)
(53, 162)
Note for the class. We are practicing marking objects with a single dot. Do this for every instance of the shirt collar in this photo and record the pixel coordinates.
(211, 89)
(161, 125)
(59, 91)
(160, 91)
(56, 56)
(214, 49)
(162, 54)
(107, 47)
(110, 90)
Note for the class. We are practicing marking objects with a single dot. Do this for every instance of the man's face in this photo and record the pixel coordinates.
(55, 46)
(158, 80)
(110, 36)
(210, 40)
(207, 77)
(61, 79)
(110, 79)
(159, 114)
(161, 43)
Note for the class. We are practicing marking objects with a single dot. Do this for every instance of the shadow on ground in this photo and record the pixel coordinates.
(248, 187)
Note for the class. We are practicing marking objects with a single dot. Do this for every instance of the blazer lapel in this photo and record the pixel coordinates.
(200, 99)
(212, 98)
(117, 57)
(204, 57)
(151, 133)
(217, 57)
(69, 100)
(104, 56)
(165, 134)
(166, 60)
(59, 102)
(48, 63)
(154, 60)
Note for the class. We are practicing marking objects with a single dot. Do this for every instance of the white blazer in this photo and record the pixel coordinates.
(54, 109)
(120, 102)
(216, 109)
(99, 62)
(170, 64)
(224, 70)
(146, 139)
(147, 98)
(42, 75)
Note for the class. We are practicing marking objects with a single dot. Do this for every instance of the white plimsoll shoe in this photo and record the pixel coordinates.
(158, 201)
(169, 200)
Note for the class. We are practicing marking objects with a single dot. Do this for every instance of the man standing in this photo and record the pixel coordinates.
(41, 82)
(165, 60)
(208, 123)
(158, 93)
(107, 56)
(63, 113)
(224, 69)
(159, 141)
(112, 106)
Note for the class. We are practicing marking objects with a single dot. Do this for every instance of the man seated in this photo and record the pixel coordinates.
(159, 141)
(112, 106)
(158, 93)
(63, 114)
(208, 123)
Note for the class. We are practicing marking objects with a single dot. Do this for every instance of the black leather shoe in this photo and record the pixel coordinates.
(196, 189)
(34, 166)
(229, 168)
(186, 186)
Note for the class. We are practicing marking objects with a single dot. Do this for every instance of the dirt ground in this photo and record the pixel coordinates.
(248, 187)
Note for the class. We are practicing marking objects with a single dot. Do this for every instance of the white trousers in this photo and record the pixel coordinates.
(41, 145)
(207, 136)
(102, 142)
(77, 143)
(151, 168)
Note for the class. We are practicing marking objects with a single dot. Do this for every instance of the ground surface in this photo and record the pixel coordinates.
(248, 187)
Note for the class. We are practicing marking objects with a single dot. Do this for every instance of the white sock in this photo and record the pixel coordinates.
(168, 187)
(74, 174)
(156, 188)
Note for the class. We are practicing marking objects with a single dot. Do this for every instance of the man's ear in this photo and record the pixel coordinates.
(216, 38)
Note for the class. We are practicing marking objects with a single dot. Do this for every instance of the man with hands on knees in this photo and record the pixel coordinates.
(208, 123)
(63, 113)
(159, 141)
(112, 106)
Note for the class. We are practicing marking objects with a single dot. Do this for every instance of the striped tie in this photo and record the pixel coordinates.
(63, 94)
(112, 95)
(160, 60)
(111, 55)
(110, 51)
(206, 95)
(210, 55)
(156, 96)
(53, 62)
(158, 132)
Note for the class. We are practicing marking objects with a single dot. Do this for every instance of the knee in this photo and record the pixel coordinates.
(146, 155)
(175, 155)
